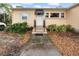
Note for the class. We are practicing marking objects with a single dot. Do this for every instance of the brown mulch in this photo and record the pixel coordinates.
(26, 37)
(11, 43)
(67, 43)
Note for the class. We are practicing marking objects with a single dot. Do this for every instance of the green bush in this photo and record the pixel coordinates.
(29, 28)
(70, 28)
(18, 27)
(52, 27)
(60, 28)
(2, 27)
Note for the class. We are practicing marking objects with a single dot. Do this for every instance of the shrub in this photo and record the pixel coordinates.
(60, 28)
(2, 27)
(52, 27)
(29, 28)
(18, 27)
(70, 28)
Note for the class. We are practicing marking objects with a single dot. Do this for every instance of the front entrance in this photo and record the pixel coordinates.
(39, 17)
(39, 23)
(39, 20)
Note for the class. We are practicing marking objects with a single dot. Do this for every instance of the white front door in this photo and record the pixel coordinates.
(39, 20)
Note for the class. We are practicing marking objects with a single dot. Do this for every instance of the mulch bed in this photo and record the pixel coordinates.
(11, 43)
(26, 37)
(67, 43)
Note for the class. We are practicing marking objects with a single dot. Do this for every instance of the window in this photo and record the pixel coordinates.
(47, 15)
(24, 16)
(62, 15)
(54, 15)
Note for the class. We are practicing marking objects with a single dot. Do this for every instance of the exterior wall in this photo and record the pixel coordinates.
(16, 18)
(58, 21)
(73, 18)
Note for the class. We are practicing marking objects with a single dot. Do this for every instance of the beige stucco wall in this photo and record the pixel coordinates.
(16, 16)
(59, 21)
(73, 17)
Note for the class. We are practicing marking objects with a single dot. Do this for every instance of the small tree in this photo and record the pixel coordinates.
(7, 13)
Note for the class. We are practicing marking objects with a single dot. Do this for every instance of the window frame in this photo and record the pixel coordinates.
(55, 12)
(60, 16)
(47, 15)
(24, 15)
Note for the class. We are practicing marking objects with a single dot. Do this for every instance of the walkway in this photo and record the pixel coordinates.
(39, 45)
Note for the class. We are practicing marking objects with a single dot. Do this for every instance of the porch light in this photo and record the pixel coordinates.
(39, 12)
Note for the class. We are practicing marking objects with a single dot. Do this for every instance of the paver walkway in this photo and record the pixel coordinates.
(39, 46)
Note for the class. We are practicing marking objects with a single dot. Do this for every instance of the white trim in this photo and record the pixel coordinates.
(23, 14)
(49, 15)
(60, 14)
(63, 14)
(55, 17)
(55, 12)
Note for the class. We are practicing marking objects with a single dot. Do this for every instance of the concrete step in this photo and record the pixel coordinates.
(39, 30)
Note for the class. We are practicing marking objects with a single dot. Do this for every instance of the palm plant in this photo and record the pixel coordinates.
(7, 9)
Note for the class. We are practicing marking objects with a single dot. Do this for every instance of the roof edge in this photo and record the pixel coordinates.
(73, 6)
(76, 4)
(38, 8)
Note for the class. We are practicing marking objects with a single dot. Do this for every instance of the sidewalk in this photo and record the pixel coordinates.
(46, 47)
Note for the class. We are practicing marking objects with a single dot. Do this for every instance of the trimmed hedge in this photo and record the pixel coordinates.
(60, 28)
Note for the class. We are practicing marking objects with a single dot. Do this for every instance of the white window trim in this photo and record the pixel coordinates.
(21, 14)
(49, 14)
(64, 14)
(60, 14)
(56, 12)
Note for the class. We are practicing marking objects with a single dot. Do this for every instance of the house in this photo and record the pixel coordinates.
(57, 16)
